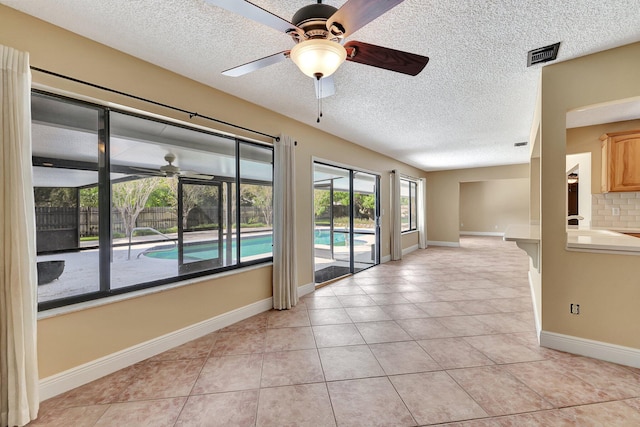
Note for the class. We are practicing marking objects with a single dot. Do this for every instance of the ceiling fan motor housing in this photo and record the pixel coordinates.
(312, 19)
(170, 169)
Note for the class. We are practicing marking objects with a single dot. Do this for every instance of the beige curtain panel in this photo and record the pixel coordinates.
(396, 225)
(19, 397)
(285, 274)
(422, 213)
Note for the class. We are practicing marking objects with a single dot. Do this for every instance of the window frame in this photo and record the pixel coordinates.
(411, 206)
(105, 206)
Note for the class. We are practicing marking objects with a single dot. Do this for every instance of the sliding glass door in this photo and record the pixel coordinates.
(346, 221)
(200, 238)
(366, 238)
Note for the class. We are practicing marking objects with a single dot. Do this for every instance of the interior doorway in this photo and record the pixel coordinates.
(579, 201)
(346, 221)
(572, 198)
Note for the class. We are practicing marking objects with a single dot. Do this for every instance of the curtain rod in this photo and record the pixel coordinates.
(139, 98)
(405, 175)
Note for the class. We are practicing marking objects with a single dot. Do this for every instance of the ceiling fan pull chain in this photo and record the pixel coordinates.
(319, 78)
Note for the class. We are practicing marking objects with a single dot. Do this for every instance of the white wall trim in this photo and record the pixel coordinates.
(447, 244)
(410, 249)
(90, 371)
(306, 289)
(535, 307)
(598, 350)
(385, 258)
(483, 233)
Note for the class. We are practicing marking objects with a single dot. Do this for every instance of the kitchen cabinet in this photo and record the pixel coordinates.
(620, 161)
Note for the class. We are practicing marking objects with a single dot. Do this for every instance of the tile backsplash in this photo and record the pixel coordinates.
(604, 205)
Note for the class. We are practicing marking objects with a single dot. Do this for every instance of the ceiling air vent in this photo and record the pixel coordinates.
(520, 144)
(542, 54)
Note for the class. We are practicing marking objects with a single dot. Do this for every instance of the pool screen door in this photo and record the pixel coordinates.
(200, 236)
(346, 221)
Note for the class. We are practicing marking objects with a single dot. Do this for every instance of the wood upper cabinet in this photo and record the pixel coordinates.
(621, 161)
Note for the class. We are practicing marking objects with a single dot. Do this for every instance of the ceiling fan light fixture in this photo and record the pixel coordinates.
(318, 57)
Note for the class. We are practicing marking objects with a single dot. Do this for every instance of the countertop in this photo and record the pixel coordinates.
(527, 237)
(523, 233)
(602, 240)
(580, 238)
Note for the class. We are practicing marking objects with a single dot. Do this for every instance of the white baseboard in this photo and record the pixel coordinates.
(482, 233)
(306, 289)
(596, 349)
(385, 258)
(90, 371)
(410, 249)
(447, 244)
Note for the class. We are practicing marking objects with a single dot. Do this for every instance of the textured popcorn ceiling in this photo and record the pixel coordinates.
(472, 102)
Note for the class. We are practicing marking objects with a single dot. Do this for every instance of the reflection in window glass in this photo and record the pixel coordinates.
(413, 211)
(165, 209)
(256, 202)
(65, 179)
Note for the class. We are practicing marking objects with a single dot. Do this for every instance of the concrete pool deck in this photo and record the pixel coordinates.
(81, 274)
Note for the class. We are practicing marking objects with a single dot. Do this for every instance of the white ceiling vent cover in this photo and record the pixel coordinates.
(542, 54)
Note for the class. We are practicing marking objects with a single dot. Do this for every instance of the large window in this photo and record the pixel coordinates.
(125, 202)
(408, 209)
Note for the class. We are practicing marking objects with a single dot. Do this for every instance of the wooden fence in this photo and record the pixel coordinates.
(85, 219)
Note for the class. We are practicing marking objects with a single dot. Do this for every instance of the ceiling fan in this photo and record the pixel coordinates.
(170, 170)
(319, 31)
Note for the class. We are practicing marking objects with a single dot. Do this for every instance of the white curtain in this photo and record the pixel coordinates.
(285, 274)
(396, 223)
(18, 276)
(422, 213)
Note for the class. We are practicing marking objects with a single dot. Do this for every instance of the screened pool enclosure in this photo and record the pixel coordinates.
(128, 201)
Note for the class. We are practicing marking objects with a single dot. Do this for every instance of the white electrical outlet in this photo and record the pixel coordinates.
(574, 309)
(615, 211)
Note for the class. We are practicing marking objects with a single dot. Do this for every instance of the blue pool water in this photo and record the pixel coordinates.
(251, 246)
(323, 237)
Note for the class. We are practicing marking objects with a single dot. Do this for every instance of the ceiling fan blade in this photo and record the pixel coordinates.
(256, 13)
(147, 171)
(195, 175)
(257, 64)
(324, 87)
(355, 14)
(383, 57)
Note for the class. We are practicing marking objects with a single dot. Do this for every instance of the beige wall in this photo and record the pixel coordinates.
(72, 339)
(534, 191)
(443, 197)
(606, 286)
(491, 206)
(534, 170)
(69, 340)
(410, 240)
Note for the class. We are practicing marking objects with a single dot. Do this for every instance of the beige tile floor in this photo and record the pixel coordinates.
(444, 336)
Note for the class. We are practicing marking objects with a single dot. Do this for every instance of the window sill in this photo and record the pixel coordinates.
(54, 312)
(409, 232)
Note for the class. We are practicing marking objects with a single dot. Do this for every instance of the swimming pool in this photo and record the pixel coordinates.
(251, 246)
(323, 237)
